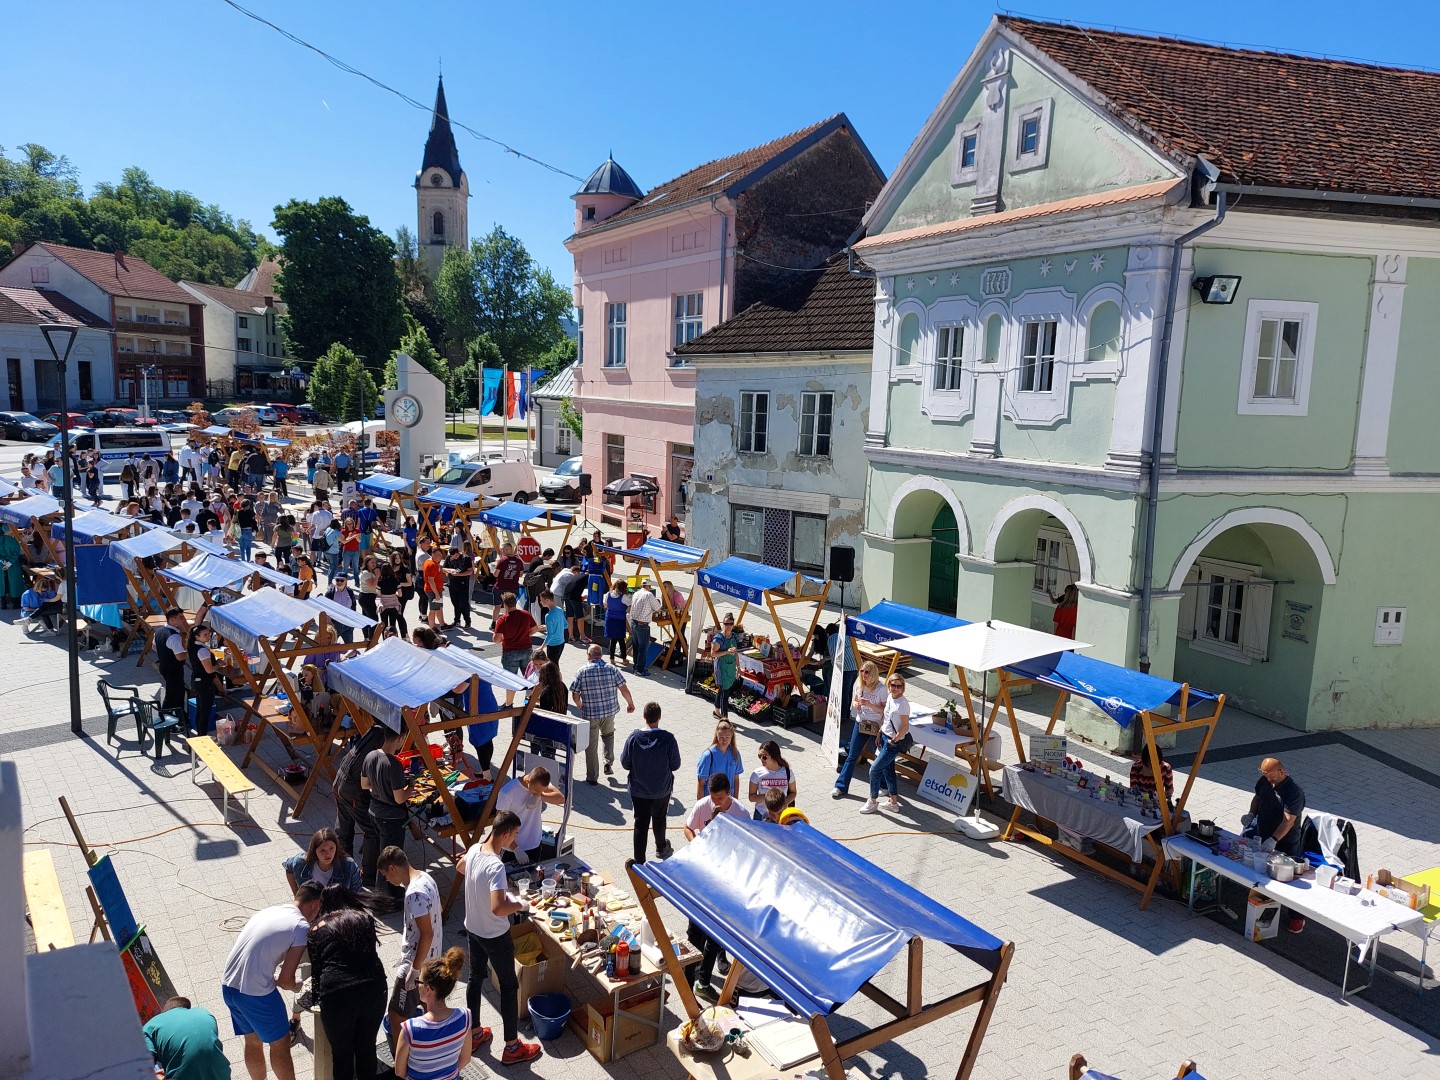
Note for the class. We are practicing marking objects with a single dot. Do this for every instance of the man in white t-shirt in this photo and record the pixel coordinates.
(526, 797)
(274, 937)
(488, 907)
(421, 937)
(718, 802)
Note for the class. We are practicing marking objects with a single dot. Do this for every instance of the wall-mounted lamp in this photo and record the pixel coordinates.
(1217, 288)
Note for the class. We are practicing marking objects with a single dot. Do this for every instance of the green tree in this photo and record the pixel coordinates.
(337, 277)
(570, 417)
(416, 343)
(495, 289)
(560, 355)
(361, 394)
(341, 386)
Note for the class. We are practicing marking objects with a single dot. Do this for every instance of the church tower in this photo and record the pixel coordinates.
(441, 192)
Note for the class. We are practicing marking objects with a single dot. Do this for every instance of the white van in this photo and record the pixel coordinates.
(118, 444)
(496, 477)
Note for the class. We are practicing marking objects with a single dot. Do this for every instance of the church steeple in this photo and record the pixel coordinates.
(440, 152)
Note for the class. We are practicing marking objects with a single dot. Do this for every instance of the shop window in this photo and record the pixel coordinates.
(614, 463)
(808, 543)
(747, 532)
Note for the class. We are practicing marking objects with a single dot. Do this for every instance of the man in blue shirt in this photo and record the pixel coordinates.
(281, 470)
(555, 626)
(596, 691)
(342, 466)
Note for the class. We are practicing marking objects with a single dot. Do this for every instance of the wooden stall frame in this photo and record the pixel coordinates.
(773, 604)
(675, 619)
(461, 516)
(529, 528)
(908, 1015)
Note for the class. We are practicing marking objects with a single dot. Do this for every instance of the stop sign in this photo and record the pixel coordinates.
(528, 549)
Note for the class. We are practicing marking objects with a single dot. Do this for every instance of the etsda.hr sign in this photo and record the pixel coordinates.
(949, 784)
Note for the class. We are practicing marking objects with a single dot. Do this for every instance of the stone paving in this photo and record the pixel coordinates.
(1136, 991)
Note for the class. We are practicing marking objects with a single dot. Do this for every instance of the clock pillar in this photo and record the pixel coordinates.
(422, 441)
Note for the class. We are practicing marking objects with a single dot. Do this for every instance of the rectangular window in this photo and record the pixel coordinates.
(243, 344)
(747, 532)
(688, 307)
(614, 464)
(1030, 135)
(614, 335)
(562, 438)
(1056, 564)
(968, 146)
(1276, 360)
(87, 387)
(754, 421)
(949, 346)
(816, 419)
(1037, 359)
(808, 543)
(242, 321)
(580, 334)
(1224, 600)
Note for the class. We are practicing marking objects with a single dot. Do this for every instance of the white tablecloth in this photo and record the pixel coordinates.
(1051, 798)
(1348, 916)
(947, 741)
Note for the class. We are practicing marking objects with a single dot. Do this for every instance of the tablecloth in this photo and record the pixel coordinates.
(1050, 797)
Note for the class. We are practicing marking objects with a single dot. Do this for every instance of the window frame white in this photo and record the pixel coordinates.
(949, 360)
(1036, 407)
(960, 173)
(810, 407)
(615, 333)
(951, 312)
(564, 438)
(1254, 611)
(1031, 363)
(1257, 312)
(745, 438)
(686, 325)
(1039, 111)
(1058, 542)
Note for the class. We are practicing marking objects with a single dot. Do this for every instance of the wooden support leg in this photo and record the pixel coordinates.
(100, 926)
(830, 1059)
(987, 1009)
(1010, 826)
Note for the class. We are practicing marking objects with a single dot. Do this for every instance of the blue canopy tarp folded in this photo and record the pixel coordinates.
(511, 515)
(397, 675)
(339, 613)
(36, 506)
(265, 613)
(888, 620)
(269, 441)
(215, 429)
(129, 551)
(206, 571)
(662, 551)
(270, 574)
(1121, 692)
(93, 524)
(385, 486)
(809, 917)
(450, 496)
(749, 581)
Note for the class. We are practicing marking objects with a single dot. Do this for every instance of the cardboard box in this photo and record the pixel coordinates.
(1262, 917)
(1074, 841)
(1416, 896)
(545, 974)
(638, 1025)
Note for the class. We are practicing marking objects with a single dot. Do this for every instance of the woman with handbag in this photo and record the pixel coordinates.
(868, 708)
(894, 739)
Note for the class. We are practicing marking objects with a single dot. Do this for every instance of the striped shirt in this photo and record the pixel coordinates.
(435, 1047)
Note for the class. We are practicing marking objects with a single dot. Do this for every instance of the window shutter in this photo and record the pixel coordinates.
(1255, 619)
(1189, 600)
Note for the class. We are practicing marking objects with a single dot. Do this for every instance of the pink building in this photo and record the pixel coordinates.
(654, 270)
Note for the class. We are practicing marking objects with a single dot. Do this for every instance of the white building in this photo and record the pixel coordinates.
(32, 380)
(244, 350)
(554, 441)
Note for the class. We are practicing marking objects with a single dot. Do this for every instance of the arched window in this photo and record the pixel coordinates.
(909, 339)
(437, 226)
(1103, 333)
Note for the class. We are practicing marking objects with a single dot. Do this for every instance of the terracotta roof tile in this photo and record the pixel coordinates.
(700, 182)
(31, 307)
(117, 274)
(1264, 118)
(831, 311)
(235, 299)
(1159, 191)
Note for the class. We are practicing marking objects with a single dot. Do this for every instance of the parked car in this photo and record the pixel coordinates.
(113, 417)
(123, 417)
(494, 477)
(226, 417)
(26, 427)
(76, 420)
(308, 415)
(171, 416)
(288, 414)
(563, 485)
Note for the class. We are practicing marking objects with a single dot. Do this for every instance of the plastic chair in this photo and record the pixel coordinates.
(122, 701)
(163, 726)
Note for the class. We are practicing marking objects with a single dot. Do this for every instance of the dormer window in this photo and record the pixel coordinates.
(968, 146)
(589, 213)
(1030, 136)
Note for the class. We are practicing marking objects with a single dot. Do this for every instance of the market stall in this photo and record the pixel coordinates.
(401, 491)
(456, 507)
(655, 559)
(870, 632)
(26, 514)
(1126, 696)
(816, 923)
(522, 520)
(424, 692)
(769, 670)
(101, 587)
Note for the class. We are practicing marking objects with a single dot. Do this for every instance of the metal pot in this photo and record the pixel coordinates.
(1206, 830)
(1281, 868)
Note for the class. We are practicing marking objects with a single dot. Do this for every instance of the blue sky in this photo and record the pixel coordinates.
(213, 103)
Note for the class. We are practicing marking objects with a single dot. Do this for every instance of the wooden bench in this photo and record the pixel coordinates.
(882, 657)
(206, 753)
(48, 917)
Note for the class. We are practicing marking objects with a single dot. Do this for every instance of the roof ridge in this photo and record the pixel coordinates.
(799, 133)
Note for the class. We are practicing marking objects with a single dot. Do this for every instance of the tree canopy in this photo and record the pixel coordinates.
(341, 387)
(494, 288)
(337, 278)
(41, 198)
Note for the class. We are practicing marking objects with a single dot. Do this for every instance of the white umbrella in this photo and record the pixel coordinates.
(985, 646)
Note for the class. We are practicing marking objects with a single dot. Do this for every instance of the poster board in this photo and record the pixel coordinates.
(835, 703)
(949, 784)
(1049, 749)
(150, 986)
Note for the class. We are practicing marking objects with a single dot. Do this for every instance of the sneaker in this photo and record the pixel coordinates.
(520, 1051)
(837, 793)
(892, 805)
(706, 991)
(609, 769)
(722, 964)
(592, 783)
(667, 850)
(479, 1037)
(870, 807)
(294, 1030)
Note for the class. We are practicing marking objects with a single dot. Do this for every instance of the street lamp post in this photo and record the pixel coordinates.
(146, 373)
(61, 339)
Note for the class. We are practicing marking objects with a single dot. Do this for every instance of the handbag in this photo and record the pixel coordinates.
(869, 727)
(903, 744)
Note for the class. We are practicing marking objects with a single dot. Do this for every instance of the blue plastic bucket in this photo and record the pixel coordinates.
(549, 1013)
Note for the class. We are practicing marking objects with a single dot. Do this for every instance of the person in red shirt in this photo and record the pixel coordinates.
(514, 630)
(1067, 607)
(433, 580)
(350, 546)
(509, 569)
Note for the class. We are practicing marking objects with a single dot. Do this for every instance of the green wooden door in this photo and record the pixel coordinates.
(944, 569)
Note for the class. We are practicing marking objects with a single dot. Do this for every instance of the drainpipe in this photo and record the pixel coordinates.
(1157, 418)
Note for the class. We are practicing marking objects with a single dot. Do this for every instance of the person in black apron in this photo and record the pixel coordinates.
(171, 654)
(203, 679)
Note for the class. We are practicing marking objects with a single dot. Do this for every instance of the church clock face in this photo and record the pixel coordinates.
(436, 180)
(406, 410)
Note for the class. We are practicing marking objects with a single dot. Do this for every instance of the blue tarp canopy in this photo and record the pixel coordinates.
(450, 496)
(661, 551)
(270, 441)
(199, 543)
(265, 613)
(749, 581)
(511, 515)
(339, 613)
(1120, 691)
(206, 571)
(385, 486)
(270, 574)
(887, 621)
(93, 524)
(397, 675)
(215, 429)
(812, 919)
(36, 506)
(129, 551)
(7, 487)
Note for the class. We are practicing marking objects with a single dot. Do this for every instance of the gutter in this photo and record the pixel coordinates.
(1205, 174)
(1318, 195)
(850, 262)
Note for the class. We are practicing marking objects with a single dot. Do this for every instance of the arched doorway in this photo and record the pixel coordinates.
(944, 566)
(1040, 531)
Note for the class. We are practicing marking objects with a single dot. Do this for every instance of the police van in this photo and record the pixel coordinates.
(117, 445)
